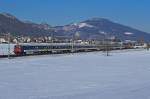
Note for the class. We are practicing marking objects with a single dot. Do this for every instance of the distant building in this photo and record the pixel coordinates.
(15, 41)
(2, 40)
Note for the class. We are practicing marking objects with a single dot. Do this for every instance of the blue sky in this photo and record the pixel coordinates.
(133, 13)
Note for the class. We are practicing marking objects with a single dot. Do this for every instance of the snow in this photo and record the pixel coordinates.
(4, 49)
(128, 33)
(81, 25)
(102, 32)
(122, 75)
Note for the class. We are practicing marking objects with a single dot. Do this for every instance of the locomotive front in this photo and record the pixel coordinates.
(18, 50)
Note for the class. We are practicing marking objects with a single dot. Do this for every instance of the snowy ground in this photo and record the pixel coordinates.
(123, 75)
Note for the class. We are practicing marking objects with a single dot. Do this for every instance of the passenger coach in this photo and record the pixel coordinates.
(35, 49)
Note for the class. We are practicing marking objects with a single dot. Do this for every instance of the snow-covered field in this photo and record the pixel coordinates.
(123, 75)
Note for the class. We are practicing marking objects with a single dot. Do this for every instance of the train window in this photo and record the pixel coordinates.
(36, 47)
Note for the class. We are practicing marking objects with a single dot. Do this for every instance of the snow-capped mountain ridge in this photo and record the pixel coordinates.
(88, 29)
(81, 25)
(8, 15)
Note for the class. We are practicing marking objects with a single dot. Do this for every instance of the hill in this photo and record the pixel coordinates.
(95, 28)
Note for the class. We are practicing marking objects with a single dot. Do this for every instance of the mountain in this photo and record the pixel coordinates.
(95, 28)
(9, 23)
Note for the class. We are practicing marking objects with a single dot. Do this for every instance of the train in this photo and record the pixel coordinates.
(37, 49)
